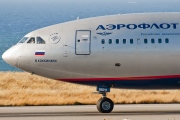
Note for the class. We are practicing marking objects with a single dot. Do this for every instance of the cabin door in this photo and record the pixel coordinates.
(83, 42)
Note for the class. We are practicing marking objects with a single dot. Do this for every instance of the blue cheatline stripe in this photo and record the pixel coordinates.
(150, 82)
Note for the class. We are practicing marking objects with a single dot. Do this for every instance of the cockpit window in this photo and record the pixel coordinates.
(31, 40)
(23, 39)
(40, 40)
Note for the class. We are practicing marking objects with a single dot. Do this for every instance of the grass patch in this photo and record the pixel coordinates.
(24, 89)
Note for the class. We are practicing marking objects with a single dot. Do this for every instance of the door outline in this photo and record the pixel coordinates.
(77, 38)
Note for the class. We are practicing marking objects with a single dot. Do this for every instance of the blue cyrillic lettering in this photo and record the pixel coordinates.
(135, 26)
(155, 25)
(119, 26)
(100, 27)
(165, 26)
(144, 26)
(131, 26)
(174, 25)
(111, 27)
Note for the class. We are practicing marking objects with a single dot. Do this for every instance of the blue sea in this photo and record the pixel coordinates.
(19, 17)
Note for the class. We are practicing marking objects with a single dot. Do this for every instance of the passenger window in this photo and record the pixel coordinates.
(31, 40)
(110, 41)
(40, 40)
(117, 41)
(124, 41)
(152, 41)
(103, 41)
(145, 41)
(159, 40)
(167, 40)
(131, 41)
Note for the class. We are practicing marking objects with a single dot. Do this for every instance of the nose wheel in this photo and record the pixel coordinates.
(104, 104)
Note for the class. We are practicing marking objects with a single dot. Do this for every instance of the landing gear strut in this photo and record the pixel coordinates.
(104, 104)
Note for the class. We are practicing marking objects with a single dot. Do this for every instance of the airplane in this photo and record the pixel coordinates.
(129, 51)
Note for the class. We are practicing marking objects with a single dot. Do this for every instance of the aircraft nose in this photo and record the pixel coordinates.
(9, 57)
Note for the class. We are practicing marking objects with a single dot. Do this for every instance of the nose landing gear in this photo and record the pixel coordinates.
(104, 104)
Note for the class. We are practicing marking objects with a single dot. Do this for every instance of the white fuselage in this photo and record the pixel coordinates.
(119, 50)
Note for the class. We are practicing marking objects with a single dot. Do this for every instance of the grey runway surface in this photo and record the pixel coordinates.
(89, 112)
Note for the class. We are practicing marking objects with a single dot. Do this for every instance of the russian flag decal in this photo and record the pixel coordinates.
(40, 53)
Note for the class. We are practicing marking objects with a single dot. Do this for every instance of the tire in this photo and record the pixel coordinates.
(105, 105)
